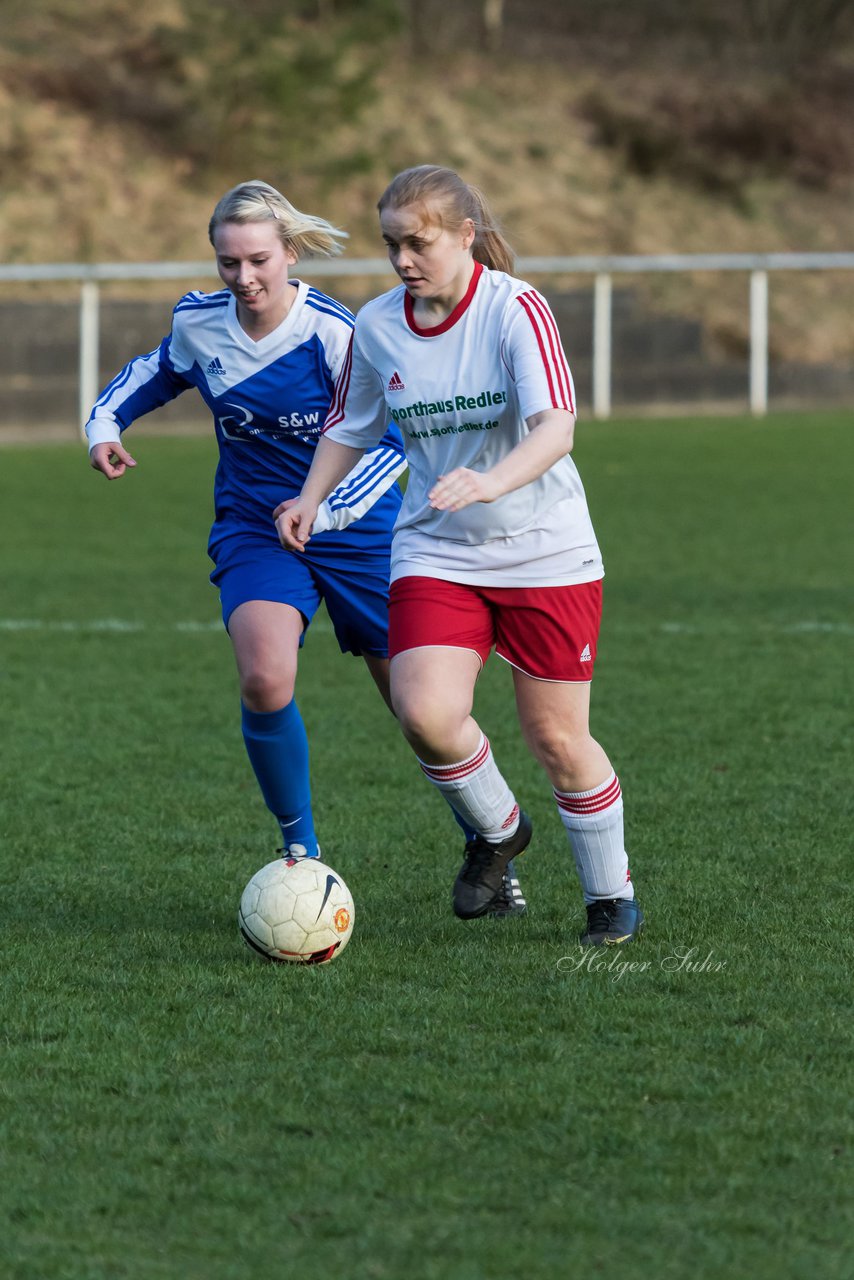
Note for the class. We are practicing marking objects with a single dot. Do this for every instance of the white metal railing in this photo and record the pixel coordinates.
(602, 267)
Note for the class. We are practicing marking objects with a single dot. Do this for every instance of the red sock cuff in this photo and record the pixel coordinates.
(590, 802)
(454, 772)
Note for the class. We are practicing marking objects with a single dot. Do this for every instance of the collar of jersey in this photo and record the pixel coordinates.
(269, 339)
(452, 319)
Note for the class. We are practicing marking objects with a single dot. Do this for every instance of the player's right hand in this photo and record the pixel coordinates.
(294, 520)
(111, 459)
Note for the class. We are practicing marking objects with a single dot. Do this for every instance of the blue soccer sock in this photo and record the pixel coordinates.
(277, 745)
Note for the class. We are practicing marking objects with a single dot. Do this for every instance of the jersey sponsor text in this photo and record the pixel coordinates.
(455, 404)
(452, 429)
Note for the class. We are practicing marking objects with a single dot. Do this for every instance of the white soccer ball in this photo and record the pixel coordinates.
(298, 911)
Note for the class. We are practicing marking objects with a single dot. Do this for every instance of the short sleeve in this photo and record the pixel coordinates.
(534, 354)
(358, 415)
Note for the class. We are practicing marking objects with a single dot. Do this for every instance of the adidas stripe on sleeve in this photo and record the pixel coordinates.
(536, 355)
(372, 475)
(358, 399)
(144, 384)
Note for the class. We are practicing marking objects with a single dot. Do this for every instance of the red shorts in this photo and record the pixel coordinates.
(549, 633)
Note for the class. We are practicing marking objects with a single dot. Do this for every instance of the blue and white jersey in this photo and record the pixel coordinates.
(269, 400)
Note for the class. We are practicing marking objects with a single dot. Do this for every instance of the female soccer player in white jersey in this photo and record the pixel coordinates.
(264, 353)
(493, 544)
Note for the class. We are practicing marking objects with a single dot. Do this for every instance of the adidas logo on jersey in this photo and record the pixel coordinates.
(396, 383)
(215, 366)
(585, 654)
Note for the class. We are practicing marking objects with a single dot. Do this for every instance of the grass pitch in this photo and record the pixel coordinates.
(448, 1101)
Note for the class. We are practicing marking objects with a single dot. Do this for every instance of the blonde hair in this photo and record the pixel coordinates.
(451, 201)
(257, 201)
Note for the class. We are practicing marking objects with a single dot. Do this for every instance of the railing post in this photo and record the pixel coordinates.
(602, 346)
(758, 343)
(88, 370)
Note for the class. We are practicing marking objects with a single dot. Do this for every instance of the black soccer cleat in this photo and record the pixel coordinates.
(481, 878)
(611, 922)
(510, 900)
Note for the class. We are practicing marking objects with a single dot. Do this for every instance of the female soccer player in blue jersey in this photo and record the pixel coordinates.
(493, 545)
(265, 353)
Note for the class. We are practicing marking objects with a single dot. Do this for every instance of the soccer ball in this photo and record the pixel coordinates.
(297, 910)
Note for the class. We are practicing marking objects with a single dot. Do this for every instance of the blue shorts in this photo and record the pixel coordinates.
(352, 583)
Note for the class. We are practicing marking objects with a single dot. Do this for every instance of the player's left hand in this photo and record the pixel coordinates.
(294, 520)
(111, 459)
(460, 488)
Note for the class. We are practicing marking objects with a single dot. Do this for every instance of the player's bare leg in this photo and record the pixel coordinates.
(266, 636)
(555, 720)
(432, 690)
(379, 669)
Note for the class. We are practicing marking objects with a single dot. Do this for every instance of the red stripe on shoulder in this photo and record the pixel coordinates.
(551, 349)
(339, 395)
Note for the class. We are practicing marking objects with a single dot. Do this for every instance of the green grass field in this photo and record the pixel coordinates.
(447, 1101)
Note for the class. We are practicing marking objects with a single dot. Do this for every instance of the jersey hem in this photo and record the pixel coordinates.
(495, 579)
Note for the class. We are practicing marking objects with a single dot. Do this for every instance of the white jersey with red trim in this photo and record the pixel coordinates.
(461, 393)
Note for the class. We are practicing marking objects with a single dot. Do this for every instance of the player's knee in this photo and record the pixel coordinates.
(423, 721)
(559, 751)
(263, 690)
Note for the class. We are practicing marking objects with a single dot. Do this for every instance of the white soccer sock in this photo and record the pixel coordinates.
(594, 824)
(478, 792)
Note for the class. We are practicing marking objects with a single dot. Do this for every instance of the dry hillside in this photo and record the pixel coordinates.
(118, 131)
